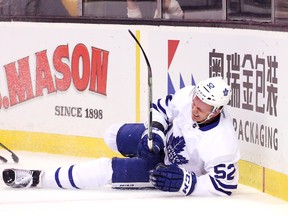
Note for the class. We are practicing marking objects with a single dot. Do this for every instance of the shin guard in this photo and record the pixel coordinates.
(132, 173)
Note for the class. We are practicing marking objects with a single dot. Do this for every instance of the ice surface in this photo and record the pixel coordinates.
(107, 201)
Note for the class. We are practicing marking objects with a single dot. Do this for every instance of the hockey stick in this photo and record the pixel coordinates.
(14, 156)
(3, 159)
(150, 98)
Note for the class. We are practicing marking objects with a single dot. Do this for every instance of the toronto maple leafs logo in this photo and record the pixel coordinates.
(225, 92)
(175, 146)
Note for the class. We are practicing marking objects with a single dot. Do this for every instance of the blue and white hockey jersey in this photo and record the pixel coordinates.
(211, 151)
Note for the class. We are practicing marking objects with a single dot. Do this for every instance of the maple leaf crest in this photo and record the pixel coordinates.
(175, 146)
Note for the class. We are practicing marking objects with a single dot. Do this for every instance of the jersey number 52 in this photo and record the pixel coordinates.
(225, 171)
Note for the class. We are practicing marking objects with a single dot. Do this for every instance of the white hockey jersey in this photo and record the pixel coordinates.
(211, 152)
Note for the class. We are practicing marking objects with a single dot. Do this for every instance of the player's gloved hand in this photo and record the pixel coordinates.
(158, 140)
(173, 179)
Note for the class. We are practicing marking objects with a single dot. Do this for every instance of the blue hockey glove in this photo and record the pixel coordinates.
(158, 140)
(173, 179)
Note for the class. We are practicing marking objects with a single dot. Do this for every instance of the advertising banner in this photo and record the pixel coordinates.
(65, 79)
(255, 68)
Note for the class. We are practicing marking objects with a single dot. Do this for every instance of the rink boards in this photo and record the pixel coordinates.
(60, 93)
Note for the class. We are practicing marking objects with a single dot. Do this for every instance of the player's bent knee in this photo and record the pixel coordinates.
(128, 138)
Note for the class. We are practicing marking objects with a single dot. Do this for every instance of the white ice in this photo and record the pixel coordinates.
(107, 201)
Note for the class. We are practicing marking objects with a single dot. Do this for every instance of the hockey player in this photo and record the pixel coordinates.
(194, 150)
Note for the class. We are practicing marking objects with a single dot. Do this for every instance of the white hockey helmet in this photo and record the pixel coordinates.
(214, 91)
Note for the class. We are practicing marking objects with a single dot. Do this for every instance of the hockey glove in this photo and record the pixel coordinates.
(158, 140)
(173, 179)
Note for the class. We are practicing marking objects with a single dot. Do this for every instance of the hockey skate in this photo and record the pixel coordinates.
(19, 178)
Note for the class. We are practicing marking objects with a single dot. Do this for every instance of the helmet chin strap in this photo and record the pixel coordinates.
(209, 116)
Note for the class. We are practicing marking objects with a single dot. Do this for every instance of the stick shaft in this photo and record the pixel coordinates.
(14, 156)
(150, 92)
(3, 159)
